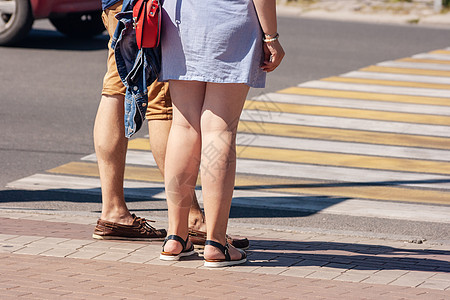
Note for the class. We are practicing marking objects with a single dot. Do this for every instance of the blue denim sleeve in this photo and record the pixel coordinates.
(137, 69)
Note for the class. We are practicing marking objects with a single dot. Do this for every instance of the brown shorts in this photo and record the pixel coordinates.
(159, 101)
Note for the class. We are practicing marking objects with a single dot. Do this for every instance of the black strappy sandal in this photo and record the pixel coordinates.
(226, 262)
(172, 256)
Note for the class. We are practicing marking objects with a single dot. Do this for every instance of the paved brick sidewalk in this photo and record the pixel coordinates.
(41, 256)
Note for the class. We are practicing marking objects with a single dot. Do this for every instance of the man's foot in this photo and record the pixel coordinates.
(139, 230)
(198, 237)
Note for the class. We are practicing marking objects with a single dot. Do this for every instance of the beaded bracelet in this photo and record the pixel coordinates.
(270, 38)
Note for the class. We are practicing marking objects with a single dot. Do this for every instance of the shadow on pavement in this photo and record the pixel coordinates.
(53, 40)
(335, 255)
(71, 195)
(342, 184)
(281, 207)
(267, 207)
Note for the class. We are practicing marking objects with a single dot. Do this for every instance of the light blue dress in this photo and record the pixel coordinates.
(212, 41)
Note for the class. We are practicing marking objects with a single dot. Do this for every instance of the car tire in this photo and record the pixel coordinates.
(16, 19)
(80, 25)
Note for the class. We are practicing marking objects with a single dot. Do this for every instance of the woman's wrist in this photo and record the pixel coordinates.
(268, 38)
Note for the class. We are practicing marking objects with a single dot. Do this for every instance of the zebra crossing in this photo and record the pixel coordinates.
(371, 142)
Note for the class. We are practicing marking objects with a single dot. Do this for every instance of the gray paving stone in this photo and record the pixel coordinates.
(441, 276)
(140, 259)
(380, 279)
(111, 256)
(435, 284)
(148, 250)
(337, 267)
(48, 241)
(261, 256)
(310, 263)
(8, 248)
(270, 270)
(59, 252)
(5, 237)
(38, 217)
(412, 279)
(188, 263)
(324, 275)
(361, 271)
(297, 272)
(33, 250)
(74, 243)
(157, 261)
(391, 273)
(24, 239)
(352, 277)
(105, 245)
(244, 268)
(13, 214)
(86, 254)
(127, 246)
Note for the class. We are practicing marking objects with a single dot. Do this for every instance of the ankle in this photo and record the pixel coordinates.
(197, 221)
(199, 226)
(172, 246)
(121, 217)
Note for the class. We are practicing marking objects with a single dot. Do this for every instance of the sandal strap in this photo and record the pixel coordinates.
(176, 238)
(221, 247)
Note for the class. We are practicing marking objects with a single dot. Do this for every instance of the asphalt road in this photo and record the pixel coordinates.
(50, 87)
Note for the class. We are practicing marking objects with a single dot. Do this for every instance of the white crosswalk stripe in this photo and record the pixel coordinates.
(398, 77)
(265, 118)
(432, 56)
(411, 65)
(375, 88)
(358, 104)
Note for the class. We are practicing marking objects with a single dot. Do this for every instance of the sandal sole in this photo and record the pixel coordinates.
(225, 263)
(175, 257)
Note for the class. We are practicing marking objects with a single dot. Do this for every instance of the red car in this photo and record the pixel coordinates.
(75, 18)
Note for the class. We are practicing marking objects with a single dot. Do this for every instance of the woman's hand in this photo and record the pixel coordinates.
(273, 54)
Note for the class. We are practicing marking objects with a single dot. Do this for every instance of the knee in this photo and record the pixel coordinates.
(186, 128)
(212, 123)
(108, 148)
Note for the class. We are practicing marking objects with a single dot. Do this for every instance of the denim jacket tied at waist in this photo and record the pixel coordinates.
(137, 69)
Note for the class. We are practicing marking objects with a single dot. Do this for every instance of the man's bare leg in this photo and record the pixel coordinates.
(158, 131)
(111, 147)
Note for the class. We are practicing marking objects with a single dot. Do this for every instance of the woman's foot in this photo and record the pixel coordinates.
(174, 247)
(217, 255)
(197, 229)
(198, 238)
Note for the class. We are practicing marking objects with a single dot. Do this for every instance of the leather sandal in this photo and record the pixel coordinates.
(198, 238)
(176, 256)
(226, 262)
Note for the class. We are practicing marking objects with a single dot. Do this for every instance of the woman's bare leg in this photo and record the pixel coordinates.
(159, 133)
(182, 156)
(220, 116)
